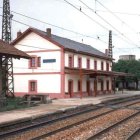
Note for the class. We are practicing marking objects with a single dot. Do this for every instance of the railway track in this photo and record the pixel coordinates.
(73, 124)
(135, 135)
(42, 123)
(59, 114)
(48, 117)
(64, 130)
(100, 135)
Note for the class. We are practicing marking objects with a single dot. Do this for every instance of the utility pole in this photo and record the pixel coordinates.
(7, 62)
(110, 53)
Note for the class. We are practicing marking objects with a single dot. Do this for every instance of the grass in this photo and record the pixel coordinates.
(13, 103)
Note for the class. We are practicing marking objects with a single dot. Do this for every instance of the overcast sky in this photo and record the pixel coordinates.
(120, 16)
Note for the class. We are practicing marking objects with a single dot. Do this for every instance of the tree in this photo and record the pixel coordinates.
(128, 66)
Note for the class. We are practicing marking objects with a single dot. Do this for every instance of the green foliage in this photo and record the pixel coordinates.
(128, 66)
(13, 103)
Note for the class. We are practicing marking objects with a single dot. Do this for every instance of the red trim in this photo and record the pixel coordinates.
(102, 65)
(107, 85)
(79, 62)
(95, 64)
(88, 87)
(70, 61)
(42, 51)
(70, 85)
(107, 66)
(78, 85)
(29, 87)
(29, 62)
(38, 61)
(37, 73)
(62, 65)
(88, 63)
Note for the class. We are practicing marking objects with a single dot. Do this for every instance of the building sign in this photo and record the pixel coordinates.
(49, 60)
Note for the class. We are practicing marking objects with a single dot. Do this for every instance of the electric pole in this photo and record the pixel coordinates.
(110, 54)
(7, 62)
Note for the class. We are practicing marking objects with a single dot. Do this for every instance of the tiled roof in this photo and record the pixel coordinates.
(67, 44)
(9, 50)
(73, 45)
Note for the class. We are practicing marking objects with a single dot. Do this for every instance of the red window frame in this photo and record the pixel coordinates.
(79, 62)
(107, 66)
(102, 65)
(32, 86)
(88, 63)
(95, 64)
(70, 61)
(79, 85)
(34, 62)
(39, 61)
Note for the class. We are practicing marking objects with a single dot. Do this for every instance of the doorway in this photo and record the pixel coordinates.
(70, 88)
(88, 88)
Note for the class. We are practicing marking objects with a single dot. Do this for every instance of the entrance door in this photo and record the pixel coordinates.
(95, 87)
(88, 88)
(107, 85)
(102, 85)
(70, 87)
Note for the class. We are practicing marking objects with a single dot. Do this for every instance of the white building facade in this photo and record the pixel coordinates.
(60, 67)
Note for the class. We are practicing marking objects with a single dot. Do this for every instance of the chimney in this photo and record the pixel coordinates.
(48, 30)
(19, 33)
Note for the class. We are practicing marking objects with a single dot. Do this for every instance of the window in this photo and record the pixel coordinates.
(88, 63)
(32, 86)
(95, 64)
(107, 66)
(39, 61)
(70, 61)
(35, 62)
(79, 62)
(32, 62)
(102, 65)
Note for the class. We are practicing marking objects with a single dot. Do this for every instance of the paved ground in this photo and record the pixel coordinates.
(59, 104)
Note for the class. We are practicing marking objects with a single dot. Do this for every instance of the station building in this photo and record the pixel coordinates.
(60, 67)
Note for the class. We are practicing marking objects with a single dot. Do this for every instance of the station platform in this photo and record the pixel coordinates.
(59, 105)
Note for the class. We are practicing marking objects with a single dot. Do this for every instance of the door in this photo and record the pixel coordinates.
(70, 88)
(102, 85)
(88, 88)
(95, 87)
(107, 85)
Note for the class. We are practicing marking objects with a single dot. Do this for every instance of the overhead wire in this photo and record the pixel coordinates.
(122, 13)
(116, 16)
(98, 38)
(68, 30)
(128, 40)
(87, 15)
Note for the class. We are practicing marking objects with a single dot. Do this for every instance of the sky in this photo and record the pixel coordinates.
(88, 21)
